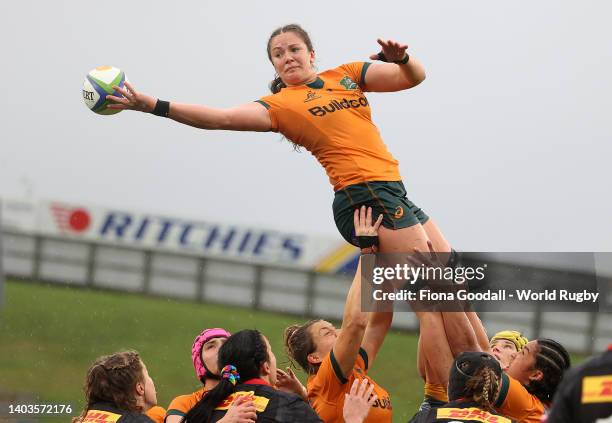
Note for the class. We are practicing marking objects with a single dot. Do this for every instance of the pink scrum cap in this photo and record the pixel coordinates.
(198, 343)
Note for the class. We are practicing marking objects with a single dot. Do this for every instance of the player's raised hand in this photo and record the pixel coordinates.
(366, 232)
(391, 51)
(358, 402)
(362, 219)
(131, 99)
(288, 382)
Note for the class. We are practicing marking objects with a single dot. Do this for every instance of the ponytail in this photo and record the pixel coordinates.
(482, 387)
(277, 84)
(202, 411)
(240, 359)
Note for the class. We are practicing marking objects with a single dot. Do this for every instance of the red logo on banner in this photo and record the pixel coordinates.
(70, 219)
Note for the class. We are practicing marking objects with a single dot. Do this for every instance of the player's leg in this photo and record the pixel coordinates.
(465, 329)
(404, 224)
(436, 237)
(403, 240)
(434, 358)
(435, 351)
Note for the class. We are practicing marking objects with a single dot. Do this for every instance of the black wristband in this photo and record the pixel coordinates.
(383, 58)
(403, 61)
(367, 241)
(162, 108)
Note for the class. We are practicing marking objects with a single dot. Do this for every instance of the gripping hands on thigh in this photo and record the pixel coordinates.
(366, 233)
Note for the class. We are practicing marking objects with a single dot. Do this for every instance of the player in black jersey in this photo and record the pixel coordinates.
(585, 394)
(474, 383)
(118, 389)
(248, 368)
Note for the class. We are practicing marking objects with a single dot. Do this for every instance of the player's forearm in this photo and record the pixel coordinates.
(379, 324)
(411, 73)
(353, 316)
(479, 330)
(459, 332)
(199, 116)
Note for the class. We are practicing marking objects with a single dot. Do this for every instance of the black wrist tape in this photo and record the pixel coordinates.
(382, 57)
(367, 241)
(403, 61)
(162, 108)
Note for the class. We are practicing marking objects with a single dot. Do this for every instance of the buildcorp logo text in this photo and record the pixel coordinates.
(334, 105)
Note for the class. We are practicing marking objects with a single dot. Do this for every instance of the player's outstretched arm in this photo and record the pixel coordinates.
(400, 73)
(354, 320)
(247, 117)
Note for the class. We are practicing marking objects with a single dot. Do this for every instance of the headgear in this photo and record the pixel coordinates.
(513, 336)
(196, 350)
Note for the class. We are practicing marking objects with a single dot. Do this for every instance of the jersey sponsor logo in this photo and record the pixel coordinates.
(260, 402)
(399, 212)
(384, 403)
(311, 95)
(334, 105)
(96, 416)
(597, 389)
(70, 219)
(348, 83)
(471, 414)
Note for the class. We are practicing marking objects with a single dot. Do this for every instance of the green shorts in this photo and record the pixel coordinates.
(386, 198)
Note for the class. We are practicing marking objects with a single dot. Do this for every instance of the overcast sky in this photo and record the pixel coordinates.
(507, 144)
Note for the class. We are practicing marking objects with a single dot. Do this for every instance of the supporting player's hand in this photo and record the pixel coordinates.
(357, 403)
(366, 233)
(242, 410)
(362, 219)
(131, 99)
(433, 260)
(288, 382)
(392, 50)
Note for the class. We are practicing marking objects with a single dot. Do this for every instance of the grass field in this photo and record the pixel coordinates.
(49, 335)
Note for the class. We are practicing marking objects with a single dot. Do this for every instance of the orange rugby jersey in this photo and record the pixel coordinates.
(515, 402)
(157, 414)
(331, 118)
(183, 403)
(327, 387)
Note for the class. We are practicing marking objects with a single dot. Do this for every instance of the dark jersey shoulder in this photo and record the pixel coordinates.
(458, 411)
(585, 393)
(275, 406)
(126, 416)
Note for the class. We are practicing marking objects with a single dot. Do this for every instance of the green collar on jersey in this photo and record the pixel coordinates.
(317, 83)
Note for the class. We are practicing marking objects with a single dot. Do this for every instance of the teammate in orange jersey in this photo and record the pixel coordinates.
(334, 359)
(328, 114)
